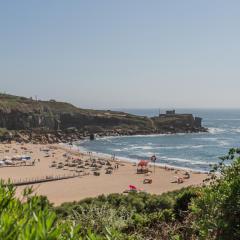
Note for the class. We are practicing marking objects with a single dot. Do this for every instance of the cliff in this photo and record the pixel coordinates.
(24, 115)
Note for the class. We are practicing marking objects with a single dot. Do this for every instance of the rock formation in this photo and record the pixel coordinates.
(52, 121)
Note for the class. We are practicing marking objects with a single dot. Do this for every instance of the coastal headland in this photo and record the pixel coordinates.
(27, 120)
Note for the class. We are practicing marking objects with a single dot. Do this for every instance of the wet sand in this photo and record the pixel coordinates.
(81, 187)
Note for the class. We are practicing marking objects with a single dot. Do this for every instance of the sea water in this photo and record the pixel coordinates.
(196, 151)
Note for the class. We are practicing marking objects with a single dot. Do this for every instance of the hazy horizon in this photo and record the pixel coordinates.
(126, 54)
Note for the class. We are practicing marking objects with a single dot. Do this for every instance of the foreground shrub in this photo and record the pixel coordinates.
(217, 211)
(209, 212)
(134, 215)
(183, 200)
(33, 219)
(98, 218)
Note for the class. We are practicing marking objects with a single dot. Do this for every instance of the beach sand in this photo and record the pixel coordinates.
(81, 187)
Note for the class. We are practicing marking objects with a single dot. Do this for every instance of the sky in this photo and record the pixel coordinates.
(123, 53)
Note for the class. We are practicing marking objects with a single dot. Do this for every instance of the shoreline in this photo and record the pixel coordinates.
(78, 146)
(131, 160)
(88, 185)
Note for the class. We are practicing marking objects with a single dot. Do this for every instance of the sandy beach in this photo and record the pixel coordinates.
(49, 161)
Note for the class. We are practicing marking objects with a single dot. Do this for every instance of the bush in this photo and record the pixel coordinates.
(209, 212)
(33, 219)
(183, 201)
(217, 211)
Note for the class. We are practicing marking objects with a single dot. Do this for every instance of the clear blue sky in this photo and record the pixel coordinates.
(125, 53)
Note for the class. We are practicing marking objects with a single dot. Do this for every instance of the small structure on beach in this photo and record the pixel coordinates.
(142, 167)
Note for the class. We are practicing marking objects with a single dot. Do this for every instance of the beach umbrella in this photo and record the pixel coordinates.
(132, 187)
(143, 163)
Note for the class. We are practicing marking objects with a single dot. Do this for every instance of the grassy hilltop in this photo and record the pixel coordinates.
(20, 113)
(53, 112)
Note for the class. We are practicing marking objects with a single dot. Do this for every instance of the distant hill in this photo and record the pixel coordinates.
(20, 113)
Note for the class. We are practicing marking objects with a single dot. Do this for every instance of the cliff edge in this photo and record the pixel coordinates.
(28, 117)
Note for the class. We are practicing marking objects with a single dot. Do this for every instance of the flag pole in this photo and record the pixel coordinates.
(154, 163)
(153, 159)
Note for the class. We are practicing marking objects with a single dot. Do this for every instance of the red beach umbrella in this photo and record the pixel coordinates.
(132, 187)
(143, 163)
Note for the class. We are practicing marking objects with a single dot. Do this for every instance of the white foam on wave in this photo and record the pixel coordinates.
(212, 139)
(181, 147)
(159, 135)
(228, 119)
(198, 146)
(141, 147)
(224, 143)
(173, 147)
(213, 130)
(147, 147)
(135, 160)
(181, 168)
(117, 150)
(236, 130)
(144, 136)
(192, 162)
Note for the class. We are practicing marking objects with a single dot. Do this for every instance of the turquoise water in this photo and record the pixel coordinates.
(195, 151)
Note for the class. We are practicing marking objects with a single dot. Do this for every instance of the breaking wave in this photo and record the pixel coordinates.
(216, 130)
(183, 160)
(195, 151)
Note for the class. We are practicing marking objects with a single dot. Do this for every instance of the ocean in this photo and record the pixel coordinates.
(195, 151)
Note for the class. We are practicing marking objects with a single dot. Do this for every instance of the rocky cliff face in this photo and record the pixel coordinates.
(23, 114)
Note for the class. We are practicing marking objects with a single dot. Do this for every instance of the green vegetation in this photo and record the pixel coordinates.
(3, 131)
(34, 114)
(133, 216)
(217, 211)
(209, 212)
(27, 108)
(33, 219)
